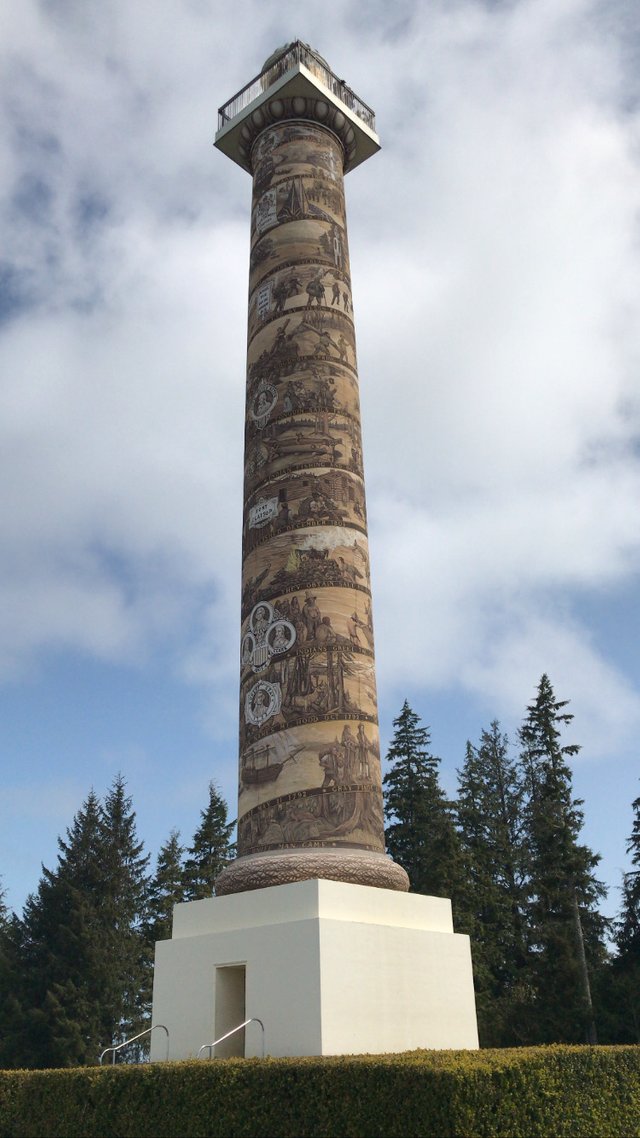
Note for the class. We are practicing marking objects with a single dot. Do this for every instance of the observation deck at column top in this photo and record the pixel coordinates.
(296, 82)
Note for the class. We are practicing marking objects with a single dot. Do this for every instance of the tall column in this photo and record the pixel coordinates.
(310, 792)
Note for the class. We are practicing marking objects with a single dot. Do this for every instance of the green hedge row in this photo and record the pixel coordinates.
(551, 1091)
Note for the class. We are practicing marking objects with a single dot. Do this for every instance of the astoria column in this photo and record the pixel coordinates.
(310, 787)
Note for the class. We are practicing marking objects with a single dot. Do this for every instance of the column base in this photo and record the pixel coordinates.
(328, 969)
(355, 867)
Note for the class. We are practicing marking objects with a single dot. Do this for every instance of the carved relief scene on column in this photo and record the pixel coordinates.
(328, 557)
(309, 385)
(320, 243)
(284, 154)
(331, 770)
(312, 335)
(298, 287)
(297, 197)
(321, 497)
(312, 684)
(315, 656)
(300, 442)
(295, 145)
(343, 817)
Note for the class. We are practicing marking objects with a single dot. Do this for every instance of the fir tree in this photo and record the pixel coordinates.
(80, 944)
(212, 849)
(4, 908)
(420, 834)
(14, 1042)
(628, 926)
(625, 988)
(11, 1019)
(489, 814)
(166, 889)
(124, 915)
(566, 929)
(64, 954)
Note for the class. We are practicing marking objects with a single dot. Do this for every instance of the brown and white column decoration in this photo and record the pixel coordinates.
(310, 793)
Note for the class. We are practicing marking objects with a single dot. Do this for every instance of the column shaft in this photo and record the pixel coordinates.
(309, 775)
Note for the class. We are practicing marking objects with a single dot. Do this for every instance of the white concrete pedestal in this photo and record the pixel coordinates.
(329, 968)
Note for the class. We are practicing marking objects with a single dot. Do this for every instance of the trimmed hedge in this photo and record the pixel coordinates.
(551, 1091)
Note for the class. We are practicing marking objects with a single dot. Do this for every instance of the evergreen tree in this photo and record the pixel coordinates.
(489, 814)
(61, 943)
(4, 908)
(11, 1020)
(566, 929)
(420, 834)
(13, 1042)
(625, 987)
(127, 999)
(166, 889)
(80, 944)
(212, 849)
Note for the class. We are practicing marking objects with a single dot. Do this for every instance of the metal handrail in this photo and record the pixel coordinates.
(133, 1039)
(246, 1023)
(297, 52)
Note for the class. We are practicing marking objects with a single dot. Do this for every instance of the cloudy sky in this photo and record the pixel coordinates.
(496, 276)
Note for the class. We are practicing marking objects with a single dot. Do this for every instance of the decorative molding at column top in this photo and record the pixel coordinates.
(296, 84)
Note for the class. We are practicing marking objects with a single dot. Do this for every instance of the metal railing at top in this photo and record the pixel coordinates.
(297, 52)
(210, 1046)
(127, 1042)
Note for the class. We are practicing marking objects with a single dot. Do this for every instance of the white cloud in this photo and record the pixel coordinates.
(496, 279)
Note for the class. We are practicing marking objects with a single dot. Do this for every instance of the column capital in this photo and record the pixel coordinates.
(297, 85)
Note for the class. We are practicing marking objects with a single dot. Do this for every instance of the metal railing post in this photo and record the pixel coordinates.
(210, 1046)
(126, 1042)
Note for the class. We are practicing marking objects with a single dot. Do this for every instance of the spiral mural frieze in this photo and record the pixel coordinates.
(309, 771)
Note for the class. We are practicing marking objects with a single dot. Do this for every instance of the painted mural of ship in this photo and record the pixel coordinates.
(258, 765)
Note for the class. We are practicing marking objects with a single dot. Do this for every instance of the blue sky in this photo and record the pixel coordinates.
(496, 272)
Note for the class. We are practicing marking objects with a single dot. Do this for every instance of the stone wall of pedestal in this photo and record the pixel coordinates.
(329, 969)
